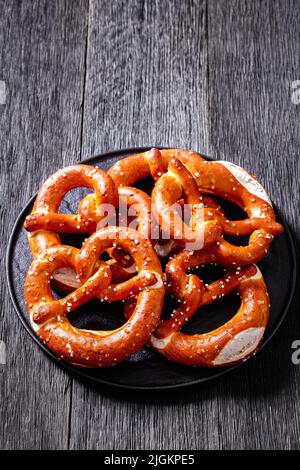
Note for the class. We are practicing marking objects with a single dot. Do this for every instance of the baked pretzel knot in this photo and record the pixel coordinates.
(44, 223)
(228, 344)
(130, 170)
(87, 347)
(132, 203)
(172, 186)
(229, 181)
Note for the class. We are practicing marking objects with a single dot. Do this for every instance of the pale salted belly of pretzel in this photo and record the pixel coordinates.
(230, 343)
(134, 275)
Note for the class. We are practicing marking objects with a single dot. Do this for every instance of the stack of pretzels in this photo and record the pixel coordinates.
(119, 262)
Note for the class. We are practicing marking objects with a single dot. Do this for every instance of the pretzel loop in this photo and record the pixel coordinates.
(38, 291)
(133, 203)
(230, 343)
(147, 265)
(229, 181)
(130, 170)
(87, 347)
(44, 220)
(176, 183)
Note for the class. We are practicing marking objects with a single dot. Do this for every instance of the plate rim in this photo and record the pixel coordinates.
(77, 371)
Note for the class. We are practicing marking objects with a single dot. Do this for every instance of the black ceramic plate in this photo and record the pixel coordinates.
(147, 369)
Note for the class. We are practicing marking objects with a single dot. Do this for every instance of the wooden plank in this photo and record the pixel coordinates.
(213, 77)
(146, 85)
(146, 75)
(42, 54)
(253, 60)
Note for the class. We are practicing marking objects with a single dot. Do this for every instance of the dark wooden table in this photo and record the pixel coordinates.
(85, 76)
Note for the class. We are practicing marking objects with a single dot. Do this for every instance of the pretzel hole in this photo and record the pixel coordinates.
(210, 317)
(232, 211)
(73, 239)
(94, 314)
(97, 315)
(58, 293)
(69, 204)
(146, 185)
(237, 240)
(209, 272)
(104, 256)
(170, 304)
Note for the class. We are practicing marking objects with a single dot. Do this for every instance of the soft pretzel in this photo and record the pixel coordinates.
(139, 202)
(173, 185)
(130, 170)
(86, 347)
(135, 202)
(214, 177)
(239, 227)
(132, 203)
(219, 178)
(44, 222)
(232, 342)
(153, 163)
(229, 181)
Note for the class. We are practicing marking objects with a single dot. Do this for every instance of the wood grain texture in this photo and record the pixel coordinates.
(203, 76)
(146, 85)
(253, 60)
(84, 77)
(146, 80)
(42, 51)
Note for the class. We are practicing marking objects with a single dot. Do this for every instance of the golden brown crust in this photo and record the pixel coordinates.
(244, 330)
(173, 185)
(44, 221)
(218, 178)
(94, 348)
(129, 170)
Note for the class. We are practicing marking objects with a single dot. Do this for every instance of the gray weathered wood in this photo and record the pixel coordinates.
(213, 77)
(42, 53)
(253, 60)
(146, 84)
(146, 80)
(84, 77)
